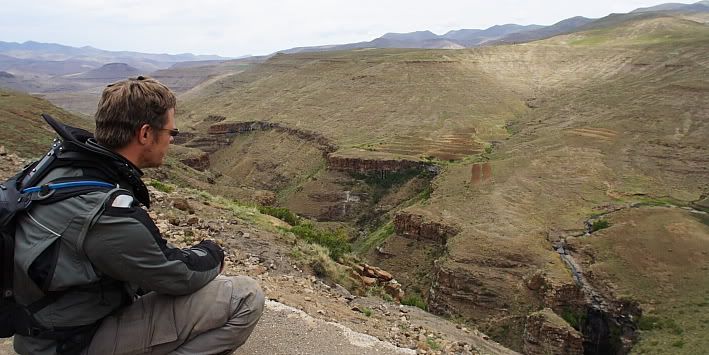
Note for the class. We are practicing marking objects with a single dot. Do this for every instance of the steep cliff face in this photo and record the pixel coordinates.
(208, 143)
(546, 333)
(200, 162)
(417, 227)
(365, 166)
(455, 289)
(221, 135)
(556, 295)
(234, 128)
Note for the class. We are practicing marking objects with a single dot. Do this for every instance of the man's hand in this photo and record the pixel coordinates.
(214, 250)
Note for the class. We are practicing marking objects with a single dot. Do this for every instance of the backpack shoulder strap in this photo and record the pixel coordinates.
(93, 217)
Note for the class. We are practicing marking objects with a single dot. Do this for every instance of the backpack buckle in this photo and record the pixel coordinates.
(44, 192)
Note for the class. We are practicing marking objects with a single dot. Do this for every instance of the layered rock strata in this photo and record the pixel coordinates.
(417, 227)
(546, 333)
(364, 165)
(222, 135)
(556, 295)
(370, 276)
(232, 129)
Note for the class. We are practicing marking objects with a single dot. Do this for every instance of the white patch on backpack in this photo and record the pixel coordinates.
(122, 201)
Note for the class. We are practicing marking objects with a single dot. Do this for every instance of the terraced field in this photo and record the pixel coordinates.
(452, 146)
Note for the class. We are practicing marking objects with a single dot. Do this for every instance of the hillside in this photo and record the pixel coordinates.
(552, 194)
(306, 311)
(109, 72)
(530, 144)
(23, 130)
(509, 33)
(565, 26)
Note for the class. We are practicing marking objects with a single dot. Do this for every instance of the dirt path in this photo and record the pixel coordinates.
(287, 330)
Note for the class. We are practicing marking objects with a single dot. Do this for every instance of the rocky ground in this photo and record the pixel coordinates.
(305, 313)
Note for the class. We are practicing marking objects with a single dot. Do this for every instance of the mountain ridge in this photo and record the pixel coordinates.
(498, 34)
(63, 52)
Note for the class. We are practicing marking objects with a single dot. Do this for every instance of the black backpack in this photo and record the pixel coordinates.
(17, 195)
(12, 202)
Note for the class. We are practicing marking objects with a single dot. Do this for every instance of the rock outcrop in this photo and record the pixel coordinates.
(370, 276)
(365, 166)
(456, 291)
(547, 333)
(234, 128)
(556, 295)
(221, 135)
(199, 162)
(417, 227)
(208, 143)
(702, 204)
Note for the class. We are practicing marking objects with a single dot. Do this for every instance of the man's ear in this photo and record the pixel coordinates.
(144, 133)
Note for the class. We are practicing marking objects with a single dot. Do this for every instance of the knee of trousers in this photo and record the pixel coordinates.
(247, 296)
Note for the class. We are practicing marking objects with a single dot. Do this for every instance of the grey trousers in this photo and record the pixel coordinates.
(217, 319)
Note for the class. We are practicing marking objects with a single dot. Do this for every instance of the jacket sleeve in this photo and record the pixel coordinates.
(126, 244)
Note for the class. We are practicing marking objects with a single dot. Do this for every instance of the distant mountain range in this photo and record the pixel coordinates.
(499, 34)
(52, 51)
(56, 59)
(700, 6)
(27, 66)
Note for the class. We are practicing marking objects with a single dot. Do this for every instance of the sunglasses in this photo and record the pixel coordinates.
(173, 132)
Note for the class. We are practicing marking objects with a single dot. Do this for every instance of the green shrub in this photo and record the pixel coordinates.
(414, 299)
(378, 291)
(335, 242)
(374, 239)
(161, 186)
(653, 322)
(425, 194)
(678, 344)
(599, 224)
(433, 344)
(367, 311)
(281, 213)
(386, 180)
(649, 323)
(575, 318)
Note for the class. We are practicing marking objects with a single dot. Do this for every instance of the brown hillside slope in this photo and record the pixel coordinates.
(637, 135)
(23, 130)
(585, 123)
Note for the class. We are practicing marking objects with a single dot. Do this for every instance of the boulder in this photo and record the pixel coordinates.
(368, 281)
(182, 205)
(375, 272)
(394, 290)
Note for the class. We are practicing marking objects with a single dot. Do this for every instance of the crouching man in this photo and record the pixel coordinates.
(92, 267)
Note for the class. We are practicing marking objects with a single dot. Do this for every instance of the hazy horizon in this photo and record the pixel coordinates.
(220, 27)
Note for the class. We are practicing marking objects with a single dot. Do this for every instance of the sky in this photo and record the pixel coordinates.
(238, 28)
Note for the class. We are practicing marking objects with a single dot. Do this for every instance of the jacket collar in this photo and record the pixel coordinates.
(80, 145)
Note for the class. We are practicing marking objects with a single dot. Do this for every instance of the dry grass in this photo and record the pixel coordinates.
(23, 130)
(658, 256)
(613, 119)
(620, 116)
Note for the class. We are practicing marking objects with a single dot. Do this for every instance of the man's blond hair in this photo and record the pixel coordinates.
(127, 105)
